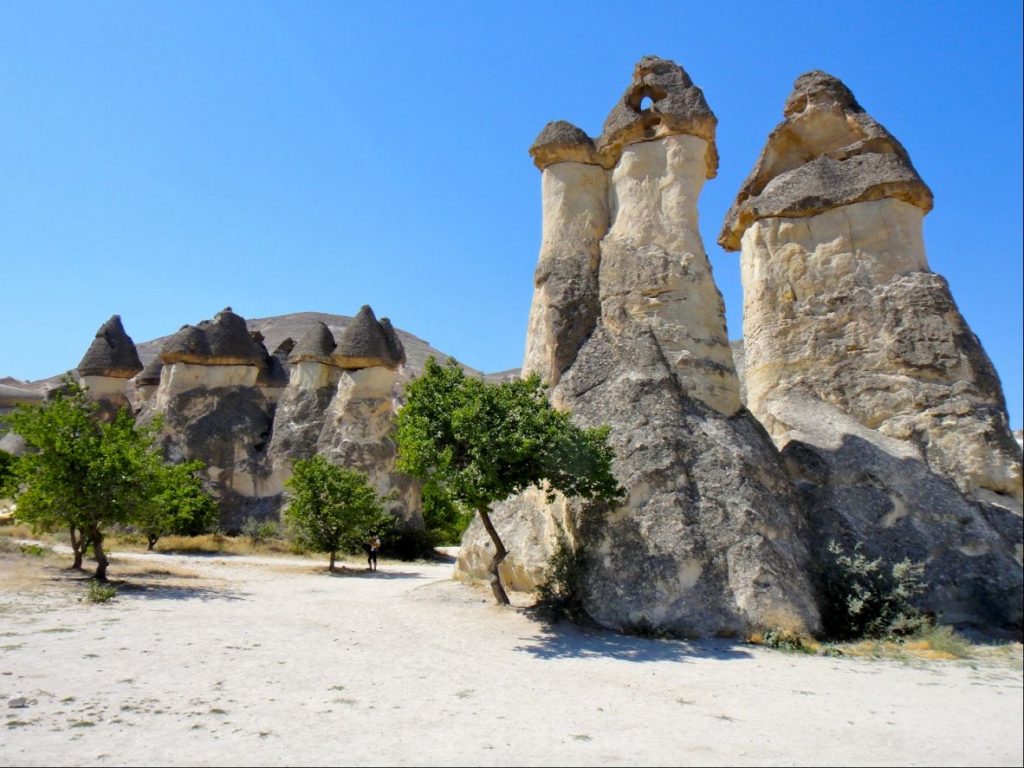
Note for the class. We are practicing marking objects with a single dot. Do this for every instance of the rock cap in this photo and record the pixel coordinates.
(316, 345)
(678, 107)
(223, 341)
(364, 344)
(112, 353)
(827, 152)
(563, 142)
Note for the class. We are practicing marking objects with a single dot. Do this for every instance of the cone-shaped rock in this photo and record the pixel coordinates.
(858, 362)
(395, 348)
(230, 341)
(364, 344)
(188, 345)
(316, 345)
(112, 353)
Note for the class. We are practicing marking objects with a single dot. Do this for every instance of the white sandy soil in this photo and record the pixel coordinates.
(235, 660)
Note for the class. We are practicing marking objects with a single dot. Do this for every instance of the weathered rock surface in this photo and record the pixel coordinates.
(710, 539)
(862, 486)
(840, 307)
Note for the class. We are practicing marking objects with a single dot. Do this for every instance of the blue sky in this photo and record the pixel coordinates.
(163, 160)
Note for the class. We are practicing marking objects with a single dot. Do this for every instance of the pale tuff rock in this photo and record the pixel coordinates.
(565, 299)
(842, 304)
(845, 325)
(358, 432)
(629, 325)
(654, 269)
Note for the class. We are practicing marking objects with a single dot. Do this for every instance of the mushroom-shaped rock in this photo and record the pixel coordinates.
(112, 353)
(188, 345)
(151, 372)
(826, 153)
(230, 341)
(316, 345)
(677, 107)
(562, 142)
(364, 344)
(395, 346)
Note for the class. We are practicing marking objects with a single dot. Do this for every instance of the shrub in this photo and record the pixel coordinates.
(561, 592)
(258, 530)
(869, 598)
(785, 640)
(100, 592)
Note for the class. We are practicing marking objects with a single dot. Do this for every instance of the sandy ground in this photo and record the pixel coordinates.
(233, 660)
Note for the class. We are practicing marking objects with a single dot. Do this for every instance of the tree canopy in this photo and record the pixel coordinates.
(482, 443)
(332, 508)
(85, 474)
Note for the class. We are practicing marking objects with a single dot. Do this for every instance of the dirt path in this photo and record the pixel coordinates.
(221, 661)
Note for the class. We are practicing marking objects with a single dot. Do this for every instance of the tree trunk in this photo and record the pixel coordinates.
(152, 541)
(101, 557)
(77, 548)
(332, 561)
(499, 554)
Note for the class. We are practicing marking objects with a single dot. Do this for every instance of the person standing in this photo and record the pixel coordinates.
(371, 553)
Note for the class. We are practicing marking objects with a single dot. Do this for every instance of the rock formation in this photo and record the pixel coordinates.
(108, 365)
(628, 323)
(888, 411)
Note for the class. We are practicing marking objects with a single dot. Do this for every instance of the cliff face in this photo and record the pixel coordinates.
(628, 323)
(857, 361)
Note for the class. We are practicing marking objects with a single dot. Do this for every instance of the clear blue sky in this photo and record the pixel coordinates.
(163, 160)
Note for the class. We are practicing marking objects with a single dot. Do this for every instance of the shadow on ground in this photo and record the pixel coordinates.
(363, 573)
(173, 591)
(564, 640)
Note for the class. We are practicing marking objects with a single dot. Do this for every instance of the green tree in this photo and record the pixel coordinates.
(7, 462)
(83, 473)
(444, 520)
(482, 443)
(331, 508)
(180, 504)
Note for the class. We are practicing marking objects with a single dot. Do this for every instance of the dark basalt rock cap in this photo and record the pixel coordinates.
(230, 340)
(563, 142)
(112, 353)
(678, 107)
(395, 346)
(364, 344)
(828, 152)
(188, 345)
(150, 373)
(317, 344)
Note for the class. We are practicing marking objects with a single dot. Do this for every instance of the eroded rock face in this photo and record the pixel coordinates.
(843, 316)
(709, 540)
(108, 364)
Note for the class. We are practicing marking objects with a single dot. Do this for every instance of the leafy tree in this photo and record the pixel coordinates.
(7, 462)
(331, 508)
(180, 504)
(85, 474)
(444, 520)
(482, 443)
